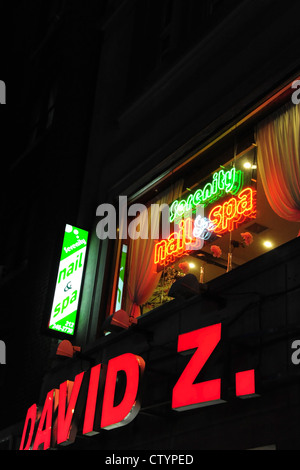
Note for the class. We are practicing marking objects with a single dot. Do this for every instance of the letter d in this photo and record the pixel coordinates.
(128, 408)
(30, 421)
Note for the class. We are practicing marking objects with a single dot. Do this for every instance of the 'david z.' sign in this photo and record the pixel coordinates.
(90, 398)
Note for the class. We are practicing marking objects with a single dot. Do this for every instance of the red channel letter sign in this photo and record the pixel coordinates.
(187, 394)
(69, 403)
(92, 394)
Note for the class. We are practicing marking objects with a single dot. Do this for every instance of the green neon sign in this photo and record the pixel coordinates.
(223, 182)
(121, 278)
(68, 282)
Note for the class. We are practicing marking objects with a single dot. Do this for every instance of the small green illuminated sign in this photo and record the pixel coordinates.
(68, 282)
(121, 278)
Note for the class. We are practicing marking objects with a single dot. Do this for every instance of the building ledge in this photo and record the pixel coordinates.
(213, 303)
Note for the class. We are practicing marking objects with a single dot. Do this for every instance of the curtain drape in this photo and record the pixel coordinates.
(142, 276)
(278, 159)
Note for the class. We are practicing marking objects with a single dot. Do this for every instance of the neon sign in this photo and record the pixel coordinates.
(223, 182)
(222, 218)
(232, 213)
(203, 228)
(88, 402)
(68, 283)
(177, 244)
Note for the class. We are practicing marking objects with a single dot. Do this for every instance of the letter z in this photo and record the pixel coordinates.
(187, 394)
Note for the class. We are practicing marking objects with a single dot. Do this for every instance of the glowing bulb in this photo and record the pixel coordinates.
(267, 244)
(247, 165)
(191, 265)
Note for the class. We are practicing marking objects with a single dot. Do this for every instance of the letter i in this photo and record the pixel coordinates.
(215, 183)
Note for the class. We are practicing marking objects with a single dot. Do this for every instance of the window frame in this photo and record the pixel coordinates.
(245, 124)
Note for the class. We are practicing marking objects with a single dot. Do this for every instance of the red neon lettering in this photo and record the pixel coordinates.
(43, 434)
(127, 409)
(66, 421)
(232, 213)
(186, 394)
(177, 244)
(31, 418)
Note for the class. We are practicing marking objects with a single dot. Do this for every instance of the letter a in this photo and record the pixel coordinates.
(109, 221)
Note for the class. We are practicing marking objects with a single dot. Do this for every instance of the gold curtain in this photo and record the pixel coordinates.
(142, 276)
(278, 159)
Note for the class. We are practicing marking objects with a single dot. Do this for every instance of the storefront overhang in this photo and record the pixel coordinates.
(251, 306)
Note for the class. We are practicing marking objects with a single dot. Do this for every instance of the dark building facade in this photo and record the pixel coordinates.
(193, 104)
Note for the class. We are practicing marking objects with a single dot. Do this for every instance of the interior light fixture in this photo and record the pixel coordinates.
(268, 244)
(248, 166)
(192, 265)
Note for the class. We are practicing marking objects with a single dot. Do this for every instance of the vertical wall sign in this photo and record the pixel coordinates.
(68, 282)
(121, 278)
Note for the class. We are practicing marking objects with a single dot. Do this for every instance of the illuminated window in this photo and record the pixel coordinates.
(219, 220)
(213, 216)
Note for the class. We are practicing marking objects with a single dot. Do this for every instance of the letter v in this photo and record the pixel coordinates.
(66, 421)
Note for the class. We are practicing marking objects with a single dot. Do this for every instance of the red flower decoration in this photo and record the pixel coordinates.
(247, 237)
(216, 251)
(184, 267)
